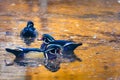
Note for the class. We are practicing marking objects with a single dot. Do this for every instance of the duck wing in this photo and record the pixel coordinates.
(71, 46)
(60, 42)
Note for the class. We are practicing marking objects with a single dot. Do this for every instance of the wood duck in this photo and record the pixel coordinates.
(19, 54)
(29, 33)
(51, 55)
(68, 46)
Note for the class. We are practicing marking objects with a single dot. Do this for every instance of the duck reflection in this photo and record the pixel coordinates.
(52, 54)
(29, 33)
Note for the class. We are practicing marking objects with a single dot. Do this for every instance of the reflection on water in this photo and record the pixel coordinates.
(95, 23)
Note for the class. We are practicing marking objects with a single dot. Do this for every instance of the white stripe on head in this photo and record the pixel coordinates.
(46, 56)
(50, 40)
(45, 42)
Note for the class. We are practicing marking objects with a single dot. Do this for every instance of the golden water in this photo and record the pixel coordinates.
(95, 23)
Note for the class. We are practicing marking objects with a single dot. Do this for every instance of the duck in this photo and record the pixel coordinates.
(29, 33)
(19, 54)
(68, 46)
(51, 56)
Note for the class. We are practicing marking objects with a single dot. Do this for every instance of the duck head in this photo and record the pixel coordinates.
(30, 24)
(52, 61)
(53, 50)
(46, 38)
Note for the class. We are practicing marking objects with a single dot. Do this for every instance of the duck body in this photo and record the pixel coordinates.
(67, 46)
(68, 49)
(29, 33)
(20, 53)
(51, 61)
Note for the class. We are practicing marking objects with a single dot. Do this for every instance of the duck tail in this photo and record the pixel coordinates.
(76, 45)
(78, 59)
(79, 44)
(75, 58)
(13, 51)
(72, 46)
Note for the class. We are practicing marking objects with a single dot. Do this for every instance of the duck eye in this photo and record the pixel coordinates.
(57, 51)
(52, 51)
(30, 24)
(46, 40)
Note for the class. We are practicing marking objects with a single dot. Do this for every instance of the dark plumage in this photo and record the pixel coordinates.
(51, 54)
(20, 54)
(68, 46)
(29, 33)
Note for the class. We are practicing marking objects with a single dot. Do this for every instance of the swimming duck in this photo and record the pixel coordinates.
(19, 54)
(68, 46)
(29, 33)
(51, 55)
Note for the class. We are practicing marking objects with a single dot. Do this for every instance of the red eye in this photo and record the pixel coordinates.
(58, 51)
(53, 51)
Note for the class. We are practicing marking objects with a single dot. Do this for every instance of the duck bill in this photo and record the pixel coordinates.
(39, 39)
(61, 53)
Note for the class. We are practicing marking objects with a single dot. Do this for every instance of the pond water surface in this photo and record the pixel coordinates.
(95, 23)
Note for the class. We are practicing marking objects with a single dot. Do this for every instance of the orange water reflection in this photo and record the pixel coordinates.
(95, 23)
(97, 27)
